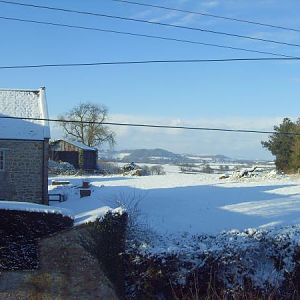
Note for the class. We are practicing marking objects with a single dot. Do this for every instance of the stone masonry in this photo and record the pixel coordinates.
(25, 175)
(66, 271)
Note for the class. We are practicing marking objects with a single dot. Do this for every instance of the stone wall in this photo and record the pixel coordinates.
(25, 174)
(66, 271)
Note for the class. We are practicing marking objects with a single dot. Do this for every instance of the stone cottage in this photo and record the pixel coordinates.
(24, 146)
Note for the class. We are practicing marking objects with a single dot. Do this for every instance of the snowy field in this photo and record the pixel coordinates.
(189, 203)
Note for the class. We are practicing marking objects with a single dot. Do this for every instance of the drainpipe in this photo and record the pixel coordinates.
(44, 110)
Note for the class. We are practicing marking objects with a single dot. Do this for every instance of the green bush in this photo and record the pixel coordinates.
(284, 146)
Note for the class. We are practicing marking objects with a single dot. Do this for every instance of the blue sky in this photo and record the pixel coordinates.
(253, 95)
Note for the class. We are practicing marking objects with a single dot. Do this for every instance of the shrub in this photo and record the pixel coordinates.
(106, 242)
(157, 170)
(145, 170)
(108, 168)
(207, 169)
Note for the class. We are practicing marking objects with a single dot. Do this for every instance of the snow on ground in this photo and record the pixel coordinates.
(192, 203)
(244, 225)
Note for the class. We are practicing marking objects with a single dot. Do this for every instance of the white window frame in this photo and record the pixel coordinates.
(2, 161)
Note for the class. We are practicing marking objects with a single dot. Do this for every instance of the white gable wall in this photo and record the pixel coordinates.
(26, 104)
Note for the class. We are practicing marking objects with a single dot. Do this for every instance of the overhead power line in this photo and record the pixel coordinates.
(209, 15)
(140, 62)
(153, 126)
(152, 23)
(95, 29)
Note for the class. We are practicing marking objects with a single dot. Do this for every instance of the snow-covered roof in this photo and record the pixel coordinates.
(81, 146)
(23, 104)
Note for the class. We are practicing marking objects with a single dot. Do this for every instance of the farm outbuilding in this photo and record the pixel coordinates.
(78, 154)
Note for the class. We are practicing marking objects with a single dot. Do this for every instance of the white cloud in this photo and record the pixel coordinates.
(210, 3)
(162, 17)
(236, 145)
(186, 19)
(176, 17)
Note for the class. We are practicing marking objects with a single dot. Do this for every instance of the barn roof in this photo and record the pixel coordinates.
(76, 144)
(23, 104)
(82, 146)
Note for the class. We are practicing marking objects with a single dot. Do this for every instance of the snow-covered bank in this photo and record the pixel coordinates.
(250, 264)
(32, 207)
(244, 232)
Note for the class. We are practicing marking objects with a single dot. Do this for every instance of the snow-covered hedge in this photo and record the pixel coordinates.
(109, 168)
(241, 264)
(20, 230)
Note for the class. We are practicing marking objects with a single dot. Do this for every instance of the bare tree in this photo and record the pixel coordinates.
(93, 133)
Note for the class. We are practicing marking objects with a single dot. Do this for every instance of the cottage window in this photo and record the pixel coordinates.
(2, 160)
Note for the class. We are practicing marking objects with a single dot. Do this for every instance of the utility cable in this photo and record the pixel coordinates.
(146, 62)
(208, 15)
(154, 23)
(142, 35)
(152, 126)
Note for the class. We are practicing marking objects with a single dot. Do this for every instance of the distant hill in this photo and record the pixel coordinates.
(152, 155)
(158, 156)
